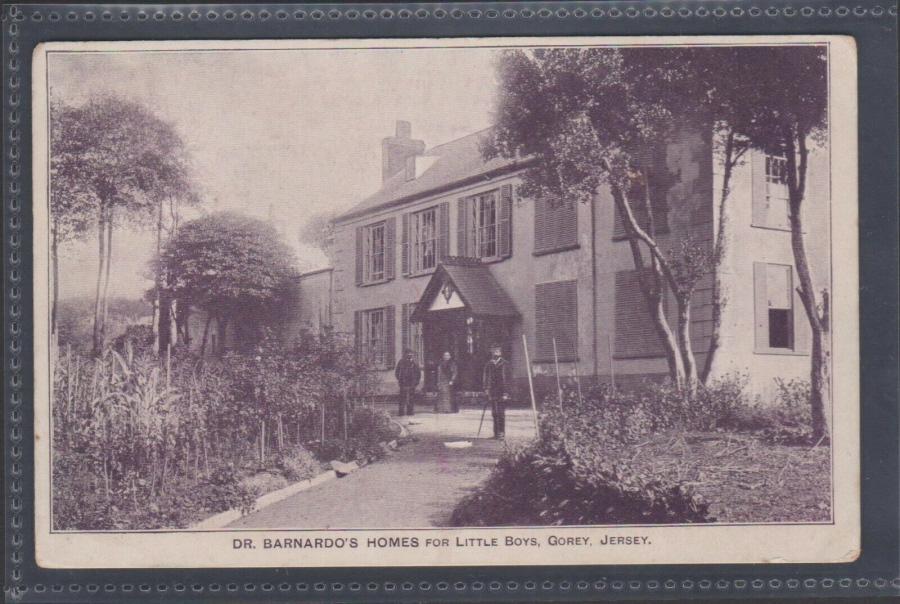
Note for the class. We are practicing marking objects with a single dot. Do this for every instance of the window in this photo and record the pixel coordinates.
(423, 240)
(555, 226)
(373, 262)
(484, 229)
(375, 336)
(780, 317)
(777, 201)
(771, 202)
(484, 225)
(556, 319)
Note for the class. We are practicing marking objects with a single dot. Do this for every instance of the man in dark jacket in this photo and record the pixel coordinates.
(408, 375)
(496, 382)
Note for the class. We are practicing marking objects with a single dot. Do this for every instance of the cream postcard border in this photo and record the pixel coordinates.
(680, 544)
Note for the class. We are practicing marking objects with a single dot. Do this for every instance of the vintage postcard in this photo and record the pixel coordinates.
(446, 302)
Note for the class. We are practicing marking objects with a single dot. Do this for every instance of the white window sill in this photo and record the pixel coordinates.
(781, 352)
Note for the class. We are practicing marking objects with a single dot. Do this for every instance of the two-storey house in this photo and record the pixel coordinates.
(447, 257)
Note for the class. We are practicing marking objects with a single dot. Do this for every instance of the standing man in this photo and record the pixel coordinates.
(408, 375)
(446, 378)
(497, 386)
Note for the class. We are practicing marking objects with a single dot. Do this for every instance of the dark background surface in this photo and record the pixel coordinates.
(876, 37)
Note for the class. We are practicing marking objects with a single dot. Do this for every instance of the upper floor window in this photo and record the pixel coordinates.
(374, 253)
(423, 238)
(375, 256)
(555, 226)
(485, 224)
(771, 202)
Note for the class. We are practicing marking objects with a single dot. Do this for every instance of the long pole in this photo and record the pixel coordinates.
(537, 432)
(558, 383)
(578, 383)
(612, 373)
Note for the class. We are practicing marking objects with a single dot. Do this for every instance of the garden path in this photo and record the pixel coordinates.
(417, 486)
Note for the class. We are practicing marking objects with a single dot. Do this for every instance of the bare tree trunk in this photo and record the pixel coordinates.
(684, 343)
(97, 345)
(651, 281)
(158, 283)
(797, 156)
(718, 295)
(109, 234)
(209, 319)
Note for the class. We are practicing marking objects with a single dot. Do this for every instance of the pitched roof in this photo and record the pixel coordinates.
(456, 161)
(475, 285)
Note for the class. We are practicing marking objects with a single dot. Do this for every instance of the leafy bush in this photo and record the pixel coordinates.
(224, 491)
(371, 424)
(298, 463)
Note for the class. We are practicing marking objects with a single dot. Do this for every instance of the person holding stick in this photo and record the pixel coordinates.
(496, 383)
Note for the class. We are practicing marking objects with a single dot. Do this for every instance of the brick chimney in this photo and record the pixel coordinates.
(395, 150)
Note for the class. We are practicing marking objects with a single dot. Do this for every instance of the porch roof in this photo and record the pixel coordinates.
(475, 285)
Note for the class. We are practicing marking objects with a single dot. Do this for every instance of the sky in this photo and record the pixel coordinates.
(286, 134)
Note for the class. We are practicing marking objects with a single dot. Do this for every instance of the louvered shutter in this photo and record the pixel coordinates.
(390, 247)
(541, 235)
(357, 334)
(758, 188)
(462, 227)
(556, 317)
(802, 329)
(404, 244)
(760, 306)
(359, 255)
(504, 228)
(444, 231)
(636, 335)
(389, 337)
(404, 327)
(567, 224)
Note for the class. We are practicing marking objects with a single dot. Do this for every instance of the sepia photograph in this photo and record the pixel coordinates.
(326, 295)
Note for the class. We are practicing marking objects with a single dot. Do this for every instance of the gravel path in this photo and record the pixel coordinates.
(417, 486)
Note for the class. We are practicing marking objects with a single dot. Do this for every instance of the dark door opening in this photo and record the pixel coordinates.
(468, 339)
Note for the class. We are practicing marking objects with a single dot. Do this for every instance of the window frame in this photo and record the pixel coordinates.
(477, 230)
(416, 253)
(373, 354)
(772, 180)
(369, 256)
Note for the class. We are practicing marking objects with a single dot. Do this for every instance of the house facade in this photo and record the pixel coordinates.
(447, 256)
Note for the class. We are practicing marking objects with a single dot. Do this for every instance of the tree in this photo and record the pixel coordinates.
(604, 117)
(776, 99)
(318, 230)
(229, 265)
(112, 160)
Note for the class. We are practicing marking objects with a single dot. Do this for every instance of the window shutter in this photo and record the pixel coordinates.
(404, 244)
(359, 255)
(504, 228)
(556, 317)
(760, 306)
(389, 323)
(390, 245)
(802, 329)
(462, 227)
(567, 224)
(636, 335)
(357, 334)
(758, 188)
(404, 327)
(541, 238)
(444, 232)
